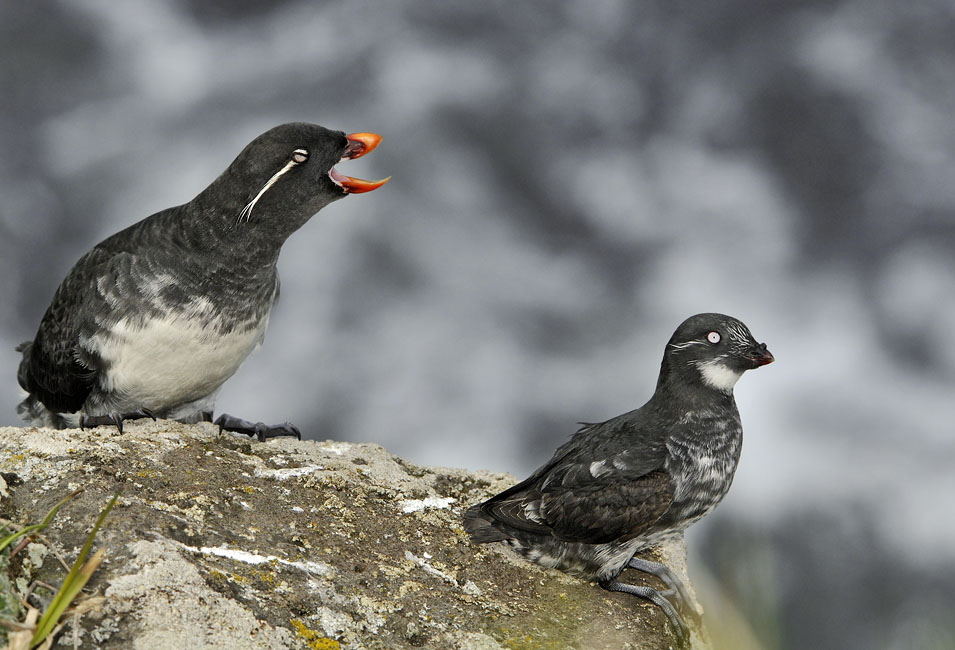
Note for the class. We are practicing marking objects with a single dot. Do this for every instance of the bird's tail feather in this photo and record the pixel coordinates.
(32, 411)
(481, 527)
(25, 348)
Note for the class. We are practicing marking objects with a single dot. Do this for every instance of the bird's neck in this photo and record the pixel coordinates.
(214, 223)
(690, 394)
(199, 243)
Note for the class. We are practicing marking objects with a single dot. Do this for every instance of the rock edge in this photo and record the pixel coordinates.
(222, 542)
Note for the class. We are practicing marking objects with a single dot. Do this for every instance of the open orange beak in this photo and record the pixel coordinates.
(358, 145)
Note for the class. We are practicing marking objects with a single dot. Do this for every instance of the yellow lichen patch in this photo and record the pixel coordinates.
(314, 640)
(409, 586)
(268, 577)
(333, 481)
(395, 572)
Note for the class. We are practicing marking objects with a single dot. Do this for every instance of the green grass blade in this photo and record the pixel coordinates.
(74, 582)
(26, 530)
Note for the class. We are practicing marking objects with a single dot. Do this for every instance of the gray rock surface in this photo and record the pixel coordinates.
(219, 542)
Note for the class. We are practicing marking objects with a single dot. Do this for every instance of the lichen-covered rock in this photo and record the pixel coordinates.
(219, 542)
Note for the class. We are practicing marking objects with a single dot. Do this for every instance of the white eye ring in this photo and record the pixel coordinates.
(299, 156)
(713, 337)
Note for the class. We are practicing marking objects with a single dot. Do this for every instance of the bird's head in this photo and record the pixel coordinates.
(287, 174)
(713, 350)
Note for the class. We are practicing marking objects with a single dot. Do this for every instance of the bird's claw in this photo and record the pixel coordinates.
(680, 629)
(258, 430)
(114, 418)
(675, 592)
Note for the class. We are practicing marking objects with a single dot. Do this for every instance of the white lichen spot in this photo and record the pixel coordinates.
(285, 474)
(237, 555)
(471, 589)
(421, 562)
(417, 505)
(337, 448)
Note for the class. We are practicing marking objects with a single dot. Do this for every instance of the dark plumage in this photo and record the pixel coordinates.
(154, 319)
(620, 486)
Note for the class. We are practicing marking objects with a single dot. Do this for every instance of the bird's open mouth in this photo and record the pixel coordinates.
(358, 145)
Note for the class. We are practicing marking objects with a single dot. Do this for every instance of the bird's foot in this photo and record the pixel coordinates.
(114, 418)
(680, 630)
(259, 430)
(675, 592)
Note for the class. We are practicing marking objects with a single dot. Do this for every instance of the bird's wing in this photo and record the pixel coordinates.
(606, 510)
(56, 368)
(573, 505)
(605, 483)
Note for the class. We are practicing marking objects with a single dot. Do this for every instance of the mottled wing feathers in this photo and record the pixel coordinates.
(579, 508)
(54, 369)
(604, 484)
(601, 514)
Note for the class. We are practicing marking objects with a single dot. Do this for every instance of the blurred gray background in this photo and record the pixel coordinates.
(570, 181)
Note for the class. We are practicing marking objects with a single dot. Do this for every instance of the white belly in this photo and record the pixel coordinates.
(172, 360)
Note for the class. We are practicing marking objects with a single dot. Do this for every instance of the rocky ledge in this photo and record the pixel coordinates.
(220, 542)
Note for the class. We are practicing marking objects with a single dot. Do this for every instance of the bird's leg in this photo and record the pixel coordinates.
(675, 591)
(680, 629)
(114, 418)
(258, 429)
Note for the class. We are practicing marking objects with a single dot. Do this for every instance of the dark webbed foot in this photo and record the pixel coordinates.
(675, 592)
(680, 629)
(114, 419)
(260, 430)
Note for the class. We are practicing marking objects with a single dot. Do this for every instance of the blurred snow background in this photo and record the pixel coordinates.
(570, 181)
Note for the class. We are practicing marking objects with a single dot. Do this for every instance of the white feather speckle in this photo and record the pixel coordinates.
(619, 462)
(598, 468)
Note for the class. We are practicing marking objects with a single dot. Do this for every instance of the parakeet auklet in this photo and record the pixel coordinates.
(153, 320)
(621, 486)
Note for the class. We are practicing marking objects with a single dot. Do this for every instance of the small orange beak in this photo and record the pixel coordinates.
(358, 145)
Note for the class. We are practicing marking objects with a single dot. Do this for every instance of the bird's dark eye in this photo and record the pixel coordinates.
(299, 156)
(713, 337)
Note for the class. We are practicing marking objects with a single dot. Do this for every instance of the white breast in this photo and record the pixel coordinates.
(178, 358)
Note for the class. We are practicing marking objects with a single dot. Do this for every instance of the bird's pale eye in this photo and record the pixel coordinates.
(713, 337)
(299, 156)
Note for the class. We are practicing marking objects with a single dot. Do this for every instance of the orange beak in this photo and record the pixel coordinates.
(358, 145)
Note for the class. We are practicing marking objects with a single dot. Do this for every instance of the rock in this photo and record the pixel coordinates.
(221, 542)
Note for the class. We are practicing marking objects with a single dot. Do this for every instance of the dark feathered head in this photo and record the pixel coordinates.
(712, 350)
(286, 175)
